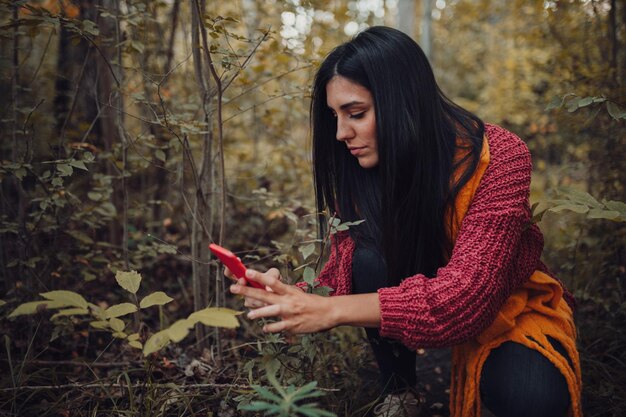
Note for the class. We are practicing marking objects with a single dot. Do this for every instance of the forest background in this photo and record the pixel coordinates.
(136, 132)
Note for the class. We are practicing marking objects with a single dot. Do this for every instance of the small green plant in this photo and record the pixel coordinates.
(72, 304)
(571, 199)
(574, 102)
(287, 401)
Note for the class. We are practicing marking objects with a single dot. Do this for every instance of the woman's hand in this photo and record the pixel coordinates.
(250, 302)
(299, 312)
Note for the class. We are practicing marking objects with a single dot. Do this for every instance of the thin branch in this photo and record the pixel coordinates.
(78, 385)
(220, 134)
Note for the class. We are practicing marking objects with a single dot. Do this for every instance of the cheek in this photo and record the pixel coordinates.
(372, 134)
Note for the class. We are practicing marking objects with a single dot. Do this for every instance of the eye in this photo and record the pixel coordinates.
(357, 115)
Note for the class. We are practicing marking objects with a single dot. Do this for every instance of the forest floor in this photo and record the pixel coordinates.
(74, 370)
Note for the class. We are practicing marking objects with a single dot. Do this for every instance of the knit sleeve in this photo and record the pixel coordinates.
(337, 270)
(495, 252)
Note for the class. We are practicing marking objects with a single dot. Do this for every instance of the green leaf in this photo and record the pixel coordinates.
(33, 307)
(117, 324)
(80, 236)
(160, 155)
(119, 335)
(119, 310)
(158, 298)
(94, 196)
(603, 214)
(309, 276)
(585, 101)
(69, 298)
(65, 170)
(78, 164)
(307, 250)
(572, 105)
(616, 206)
(128, 280)
(322, 290)
(266, 394)
(20, 173)
(578, 196)
(615, 111)
(179, 330)
(2, 302)
(156, 342)
(132, 337)
(555, 103)
(215, 316)
(571, 207)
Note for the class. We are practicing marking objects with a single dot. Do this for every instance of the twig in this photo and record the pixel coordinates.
(75, 363)
(78, 385)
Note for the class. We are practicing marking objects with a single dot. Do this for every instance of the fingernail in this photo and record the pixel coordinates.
(249, 273)
(251, 315)
(234, 288)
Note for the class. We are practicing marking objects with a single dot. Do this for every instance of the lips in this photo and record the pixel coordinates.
(356, 151)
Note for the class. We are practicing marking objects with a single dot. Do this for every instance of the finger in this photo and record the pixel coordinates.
(252, 303)
(229, 274)
(277, 327)
(275, 273)
(272, 310)
(263, 296)
(270, 279)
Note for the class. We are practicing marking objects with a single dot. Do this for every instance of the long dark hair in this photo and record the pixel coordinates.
(418, 130)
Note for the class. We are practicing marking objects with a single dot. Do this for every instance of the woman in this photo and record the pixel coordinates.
(447, 255)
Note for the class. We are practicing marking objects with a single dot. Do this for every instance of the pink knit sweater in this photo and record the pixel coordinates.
(497, 249)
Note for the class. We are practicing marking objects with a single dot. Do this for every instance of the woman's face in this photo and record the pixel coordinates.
(353, 107)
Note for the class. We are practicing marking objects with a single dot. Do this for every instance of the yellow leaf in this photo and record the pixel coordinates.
(179, 330)
(129, 280)
(217, 317)
(119, 335)
(119, 310)
(33, 306)
(156, 298)
(133, 337)
(100, 324)
(135, 344)
(117, 324)
(156, 342)
(70, 298)
(70, 312)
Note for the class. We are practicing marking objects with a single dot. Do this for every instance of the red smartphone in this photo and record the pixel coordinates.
(233, 263)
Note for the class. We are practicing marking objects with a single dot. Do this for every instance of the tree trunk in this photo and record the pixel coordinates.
(406, 17)
(202, 212)
(426, 38)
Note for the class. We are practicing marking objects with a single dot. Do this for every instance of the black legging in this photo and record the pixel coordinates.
(515, 381)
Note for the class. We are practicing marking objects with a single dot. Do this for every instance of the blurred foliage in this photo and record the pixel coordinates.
(102, 125)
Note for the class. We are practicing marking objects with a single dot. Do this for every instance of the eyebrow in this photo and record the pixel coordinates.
(348, 105)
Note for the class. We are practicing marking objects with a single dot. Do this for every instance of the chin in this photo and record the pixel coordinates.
(368, 163)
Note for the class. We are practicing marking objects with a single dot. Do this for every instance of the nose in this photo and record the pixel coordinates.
(344, 130)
